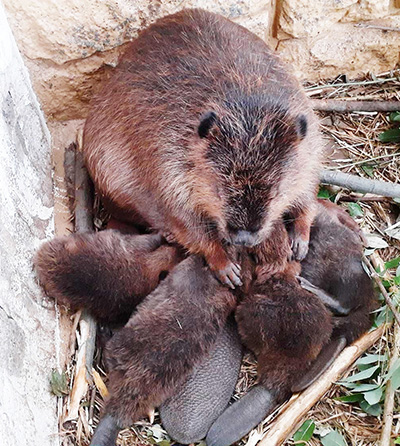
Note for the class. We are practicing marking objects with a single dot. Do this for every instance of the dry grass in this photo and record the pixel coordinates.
(353, 146)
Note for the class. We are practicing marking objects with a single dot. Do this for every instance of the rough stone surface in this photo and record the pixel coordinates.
(360, 49)
(28, 324)
(69, 46)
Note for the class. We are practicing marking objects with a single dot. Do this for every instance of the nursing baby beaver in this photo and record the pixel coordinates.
(202, 133)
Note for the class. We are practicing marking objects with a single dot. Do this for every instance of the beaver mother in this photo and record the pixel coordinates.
(200, 132)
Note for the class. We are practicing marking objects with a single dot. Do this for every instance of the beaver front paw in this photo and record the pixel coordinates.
(299, 248)
(230, 275)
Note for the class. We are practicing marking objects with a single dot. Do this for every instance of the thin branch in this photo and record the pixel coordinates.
(299, 405)
(87, 325)
(387, 419)
(342, 106)
(385, 294)
(359, 184)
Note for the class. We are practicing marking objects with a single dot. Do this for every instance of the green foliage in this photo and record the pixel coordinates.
(355, 210)
(391, 135)
(368, 169)
(334, 438)
(394, 117)
(325, 193)
(367, 386)
(305, 432)
(59, 383)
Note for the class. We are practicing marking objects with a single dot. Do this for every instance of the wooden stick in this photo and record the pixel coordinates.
(359, 184)
(298, 406)
(385, 294)
(83, 223)
(343, 106)
(387, 418)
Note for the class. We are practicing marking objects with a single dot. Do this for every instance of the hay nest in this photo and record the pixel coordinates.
(353, 147)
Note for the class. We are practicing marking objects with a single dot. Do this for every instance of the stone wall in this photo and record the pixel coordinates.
(29, 330)
(68, 45)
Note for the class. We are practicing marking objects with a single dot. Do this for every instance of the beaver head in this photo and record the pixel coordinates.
(251, 144)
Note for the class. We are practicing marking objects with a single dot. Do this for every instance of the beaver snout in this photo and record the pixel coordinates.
(244, 238)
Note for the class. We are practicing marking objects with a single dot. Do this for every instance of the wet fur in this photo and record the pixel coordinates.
(200, 132)
(108, 272)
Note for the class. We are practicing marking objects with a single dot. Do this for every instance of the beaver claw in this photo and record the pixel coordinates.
(299, 249)
(230, 275)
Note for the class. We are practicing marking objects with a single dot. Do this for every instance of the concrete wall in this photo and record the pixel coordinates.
(28, 324)
(69, 44)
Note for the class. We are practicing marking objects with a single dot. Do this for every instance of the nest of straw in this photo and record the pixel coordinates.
(352, 146)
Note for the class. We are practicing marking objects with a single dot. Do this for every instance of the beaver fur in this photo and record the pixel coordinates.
(332, 269)
(170, 332)
(108, 272)
(202, 133)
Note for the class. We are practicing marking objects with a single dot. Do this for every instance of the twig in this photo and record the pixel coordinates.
(299, 405)
(351, 84)
(359, 184)
(356, 199)
(87, 325)
(389, 394)
(387, 419)
(337, 105)
(385, 294)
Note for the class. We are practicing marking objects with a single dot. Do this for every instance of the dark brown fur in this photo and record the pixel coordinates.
(203, 134)
(170, 332)
(286, 326)
(335, 265)
(108, 272)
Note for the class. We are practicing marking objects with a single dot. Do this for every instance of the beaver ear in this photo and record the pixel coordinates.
(301, 126)
(206, 123)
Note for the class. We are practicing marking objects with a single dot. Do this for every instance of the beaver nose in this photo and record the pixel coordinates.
(244, 238)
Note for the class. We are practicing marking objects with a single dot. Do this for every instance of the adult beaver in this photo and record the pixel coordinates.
(202, 133)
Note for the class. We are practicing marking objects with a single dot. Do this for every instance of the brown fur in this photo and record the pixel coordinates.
(108, 273)
(169, 333)
(335, 265)
(289, 329)
(284, 325)
(202, 133)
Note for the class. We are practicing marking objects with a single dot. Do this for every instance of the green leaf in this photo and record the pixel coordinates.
(373, 396)
(397, 441)
(58, 383)
(374, 410)
(370, 359)
(361, 375)
(356, 398)
(394, 263)
(368, 169)
(394, 117)
(355, 210)
(392, 135)
(305, 431)
(323, 193)
(394, 374)
(360, 387)
(334, 438)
